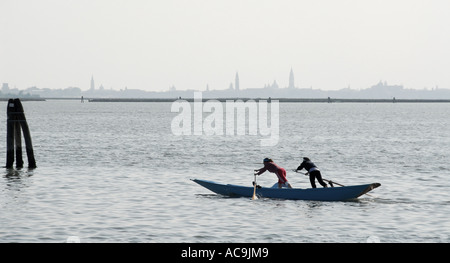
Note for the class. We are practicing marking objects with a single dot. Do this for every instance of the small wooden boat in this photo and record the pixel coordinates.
(318, 194)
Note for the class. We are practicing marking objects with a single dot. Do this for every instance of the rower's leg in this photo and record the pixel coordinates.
(319, 178)
(312, 179)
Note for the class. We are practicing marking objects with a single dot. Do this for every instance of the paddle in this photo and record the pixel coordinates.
(254, 197)
(328, 181)
(331, 182)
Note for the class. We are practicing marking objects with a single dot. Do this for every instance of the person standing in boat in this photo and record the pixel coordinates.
(272, 167)
(314, 172)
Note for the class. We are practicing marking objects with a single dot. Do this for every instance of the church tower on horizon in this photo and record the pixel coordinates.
(92, 83)
(291, 79)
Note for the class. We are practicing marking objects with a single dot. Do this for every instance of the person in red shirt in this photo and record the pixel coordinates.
(272, 167)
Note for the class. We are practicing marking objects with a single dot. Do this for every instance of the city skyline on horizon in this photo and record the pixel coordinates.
(381, 90)
(191, 44)
(233, 85)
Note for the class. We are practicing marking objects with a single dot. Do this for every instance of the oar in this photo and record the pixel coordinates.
(332, 182)
(326, 180)
(254, 197)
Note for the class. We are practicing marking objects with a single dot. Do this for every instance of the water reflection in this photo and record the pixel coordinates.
(19, 172)
(16, 179)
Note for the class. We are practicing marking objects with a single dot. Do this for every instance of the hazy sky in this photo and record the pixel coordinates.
(152, 45)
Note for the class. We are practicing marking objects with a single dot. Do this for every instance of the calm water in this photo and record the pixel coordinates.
(114, 172)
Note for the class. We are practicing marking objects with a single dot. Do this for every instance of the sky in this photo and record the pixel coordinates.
(154, 45)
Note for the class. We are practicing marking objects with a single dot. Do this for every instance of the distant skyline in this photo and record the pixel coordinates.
(381, 90)
(152, 46)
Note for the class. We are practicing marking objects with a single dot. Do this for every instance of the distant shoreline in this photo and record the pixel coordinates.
(281, 100)
(23, 99)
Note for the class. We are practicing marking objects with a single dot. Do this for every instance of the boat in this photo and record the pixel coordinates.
(315, 194)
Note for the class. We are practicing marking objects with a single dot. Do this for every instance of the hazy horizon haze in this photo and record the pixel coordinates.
(153, 45)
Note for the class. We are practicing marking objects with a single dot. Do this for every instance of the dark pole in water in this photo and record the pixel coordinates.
(26, 133)
(10, 111)
(17, 120)
(18, 142)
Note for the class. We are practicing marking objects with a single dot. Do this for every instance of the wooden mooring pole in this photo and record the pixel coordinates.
(16, 122)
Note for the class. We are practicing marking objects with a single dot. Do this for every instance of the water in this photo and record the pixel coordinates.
(113, 172)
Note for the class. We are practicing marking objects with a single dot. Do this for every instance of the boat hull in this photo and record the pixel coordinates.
(317, 194)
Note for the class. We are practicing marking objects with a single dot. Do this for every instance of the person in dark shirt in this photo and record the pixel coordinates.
(314, 172)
